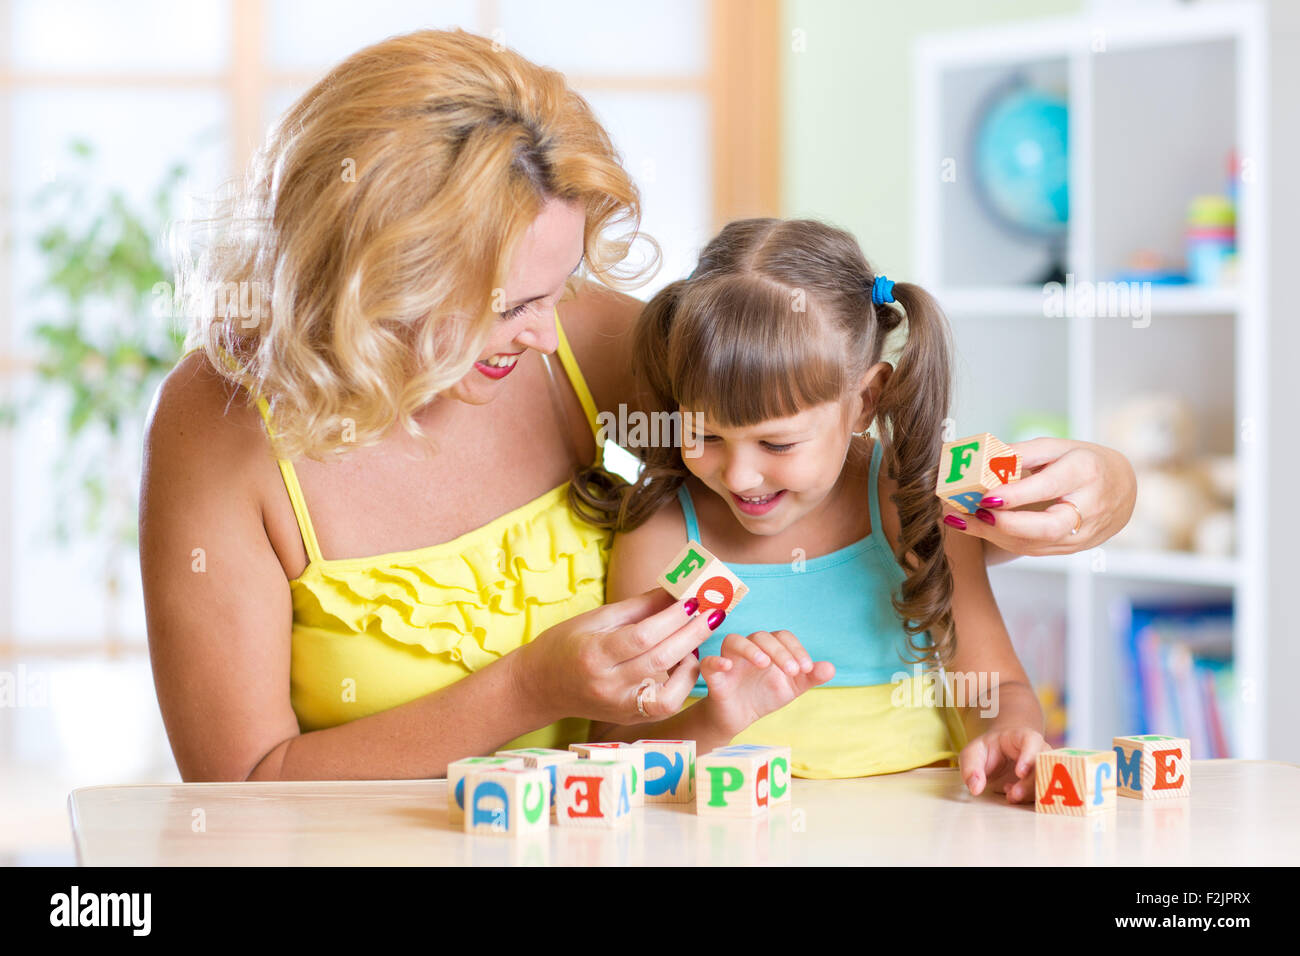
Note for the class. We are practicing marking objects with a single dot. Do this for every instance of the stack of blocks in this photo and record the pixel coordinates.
(1082, 782)
(697, 573)
(972, 467)
(600, 784)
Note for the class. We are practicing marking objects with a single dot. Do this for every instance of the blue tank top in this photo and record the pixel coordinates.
(837, 604)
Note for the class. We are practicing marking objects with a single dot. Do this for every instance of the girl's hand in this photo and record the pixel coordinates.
(756, 675)
(1099, 481)
(594, 665)
(1005, 759)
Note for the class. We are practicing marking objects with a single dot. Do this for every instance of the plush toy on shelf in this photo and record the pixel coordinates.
(1184, 501)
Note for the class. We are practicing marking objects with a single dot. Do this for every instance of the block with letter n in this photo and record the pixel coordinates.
(1153, 767)
(1074, 782)
(972, 467)
(696, 573)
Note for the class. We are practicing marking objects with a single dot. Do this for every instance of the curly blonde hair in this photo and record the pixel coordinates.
(378, 219)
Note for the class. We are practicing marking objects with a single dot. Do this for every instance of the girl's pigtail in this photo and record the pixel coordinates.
(915, 405)
(604, 499)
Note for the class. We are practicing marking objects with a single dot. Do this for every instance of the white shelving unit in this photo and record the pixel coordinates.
(1158, 96)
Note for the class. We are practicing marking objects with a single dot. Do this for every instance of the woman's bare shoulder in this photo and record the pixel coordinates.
(198, 414)
(598, 323)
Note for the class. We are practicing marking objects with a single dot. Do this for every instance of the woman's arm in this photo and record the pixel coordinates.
(219, 618)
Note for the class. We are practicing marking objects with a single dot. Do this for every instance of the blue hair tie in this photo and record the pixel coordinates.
(882, 291)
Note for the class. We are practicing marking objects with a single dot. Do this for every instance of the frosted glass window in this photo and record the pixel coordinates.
(309, 35)
(126, 36)
(665, 144)
(137, 135)
(595, 37)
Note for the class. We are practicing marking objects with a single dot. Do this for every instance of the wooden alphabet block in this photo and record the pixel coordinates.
(1074, 782)
(732, 783)
(512, 801)
(618, 750)
(778, 768)
(541, 758)
(456, 771)
(1153, 767)
(972, 467)
(594, 793)
(697, 573)
(669, 770)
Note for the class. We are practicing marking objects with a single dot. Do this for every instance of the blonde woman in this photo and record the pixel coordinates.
(358, 553)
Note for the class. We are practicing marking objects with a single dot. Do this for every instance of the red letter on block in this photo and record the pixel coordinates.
(1061, 785)
(1165, 768)
(590, 795)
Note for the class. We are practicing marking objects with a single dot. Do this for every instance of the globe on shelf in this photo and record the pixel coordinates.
(1022, 166)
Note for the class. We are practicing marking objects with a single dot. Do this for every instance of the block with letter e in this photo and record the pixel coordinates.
(669, 770)
(594, 793)
(1153, 767)
(510, 801)
(973, 467)
(696, 573)
(1075, 782)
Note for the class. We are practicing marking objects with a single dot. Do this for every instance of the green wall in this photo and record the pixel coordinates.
(847, 112)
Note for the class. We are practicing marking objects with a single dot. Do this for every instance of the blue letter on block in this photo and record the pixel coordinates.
(1096, 783)
(672, 773)
(460, 793)
(486, 791)
(624, 805)
(1130, 768)
(968, 501)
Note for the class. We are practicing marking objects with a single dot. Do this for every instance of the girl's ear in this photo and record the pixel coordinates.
(872, 385)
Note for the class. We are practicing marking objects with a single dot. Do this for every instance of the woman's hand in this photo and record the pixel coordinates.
(1004, 758)
(756, 675)
(1097, 480)
(594, 665)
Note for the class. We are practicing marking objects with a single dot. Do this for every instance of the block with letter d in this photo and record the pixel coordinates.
(1075, 782)
(973, 467)
(732, 783)
(778, 767)
(696, 573)
(594, 793)
(1154, 767)
(669, 770)
(511, 801)
(456, 771)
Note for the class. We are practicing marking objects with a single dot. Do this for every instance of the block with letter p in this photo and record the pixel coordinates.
(511, 801)
(696, 573)
(972, 467)
(669, 770)
(778, 767)
(732, 783)
(1153, 767)
(1074, 782)
(594, 793)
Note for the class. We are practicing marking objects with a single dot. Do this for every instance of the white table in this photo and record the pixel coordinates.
(1240, 813)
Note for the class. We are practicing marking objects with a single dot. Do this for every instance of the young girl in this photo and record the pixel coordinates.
(774, 347)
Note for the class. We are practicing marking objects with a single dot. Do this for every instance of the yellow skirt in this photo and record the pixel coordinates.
(860, 731)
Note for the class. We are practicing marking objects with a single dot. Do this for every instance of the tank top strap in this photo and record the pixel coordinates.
(873, 494)
(565, 352)
(290, 477)
(688, 511)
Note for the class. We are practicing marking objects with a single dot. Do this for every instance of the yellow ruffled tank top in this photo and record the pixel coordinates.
(372, 633)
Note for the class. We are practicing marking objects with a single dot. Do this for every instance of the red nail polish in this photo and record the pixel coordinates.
(716, 618)
(991, 502)
(954, 522)
(985, 516)
(690, 607)
(696, 652)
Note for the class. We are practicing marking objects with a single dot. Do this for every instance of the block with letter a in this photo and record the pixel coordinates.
(696, 573)
(1075, 782)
